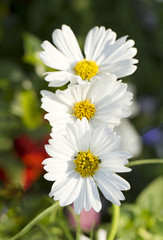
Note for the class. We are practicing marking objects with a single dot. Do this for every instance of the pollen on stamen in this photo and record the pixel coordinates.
(86, 163)
(86, 69)
(84, 109)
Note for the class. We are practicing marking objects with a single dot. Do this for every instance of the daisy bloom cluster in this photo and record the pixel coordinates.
(103, 54)
(83, 161)
(105, 100)
(84, 149)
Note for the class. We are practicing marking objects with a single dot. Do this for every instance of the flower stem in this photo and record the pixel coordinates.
(114, 223)
(35, 221)
(78, 230)
(144, 161)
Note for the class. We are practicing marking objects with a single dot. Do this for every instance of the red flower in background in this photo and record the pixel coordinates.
(3, 176)
(32, 154)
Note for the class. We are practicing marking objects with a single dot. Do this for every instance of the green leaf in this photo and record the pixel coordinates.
(5, 143)
(31, 115)
(151, 197)
(35, 221)
(31, 43)
(32, 46)
(142, 220)
(144, 162)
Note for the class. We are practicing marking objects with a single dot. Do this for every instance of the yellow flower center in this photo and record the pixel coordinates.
(86, 69)
(86, 163)
(84, 109)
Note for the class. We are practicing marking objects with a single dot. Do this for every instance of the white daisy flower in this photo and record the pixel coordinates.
(130, 139)
(103, 53)
(102, 101)
(83, 161)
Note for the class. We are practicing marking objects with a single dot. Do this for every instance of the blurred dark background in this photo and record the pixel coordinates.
(24, 24)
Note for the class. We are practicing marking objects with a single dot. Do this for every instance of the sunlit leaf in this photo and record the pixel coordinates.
(31, 115)
(150, 198)
(32, 46)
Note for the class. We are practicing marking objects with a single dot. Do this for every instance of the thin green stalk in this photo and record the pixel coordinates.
(78, 230)
(144, 161)
(92, 231)
(66, 230)
(45, 231)
(114, 222)
(77, 221)
(116, 209)
(35, 221)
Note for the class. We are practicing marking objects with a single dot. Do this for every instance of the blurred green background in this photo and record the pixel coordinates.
(24, 24)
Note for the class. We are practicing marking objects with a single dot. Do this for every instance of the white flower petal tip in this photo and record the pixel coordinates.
(131, 140)
(103, 54)
(96, 149)
(102, 234)
(103, 101)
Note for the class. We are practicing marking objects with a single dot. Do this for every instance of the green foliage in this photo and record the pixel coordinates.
(31, 115)
(48, 224)
(137, 221)
(32, 47)
(142, 220)
(150, 198)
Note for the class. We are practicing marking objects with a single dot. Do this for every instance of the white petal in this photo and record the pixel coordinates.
(50, 101)
(53, 58)
(49, 177)
(114, 167)
(58, 108)
(66, 97)
(114, 102)
(58, 78)
(107, 191)
(87, 200)
(118, 58)
(79, 201)
(130, 139)
(100, 88)
(71, 134)
(88, 197)
(101, 234)
(60, 144)
(56, 165)
(48, 160)
(96, 41)
(121, 183)
(83, 237)
(71, 192)
(47, 94)
(120, 69)
(119, 51)
(93, 194)
(106, 178)
(116, 156)
(59, 172)
(80, 92)
(66, 42)
(58, 185)
(112, 105)
(81, 133)
(67, 190)
(103, 140)
(59, 123)
(59, 169)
